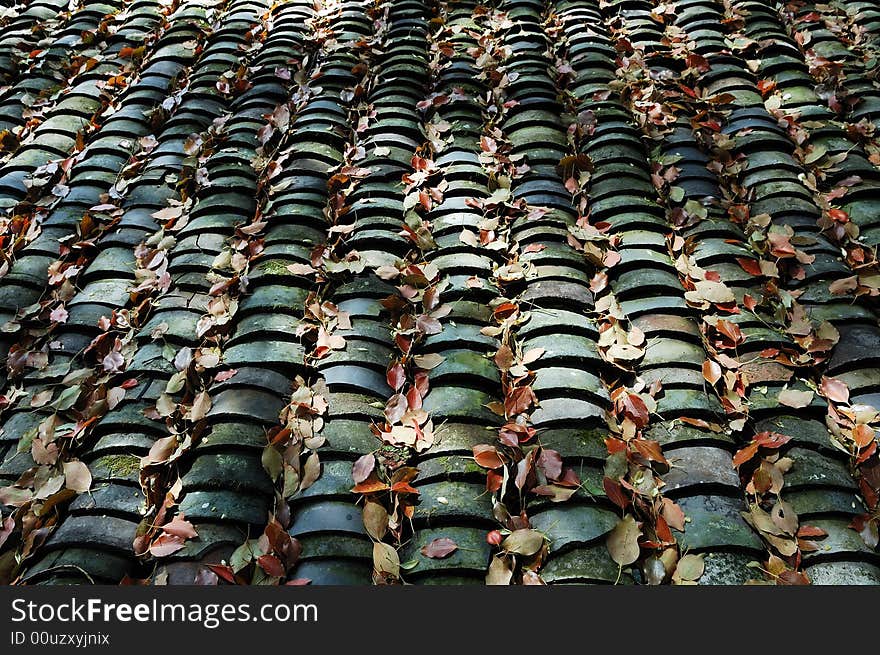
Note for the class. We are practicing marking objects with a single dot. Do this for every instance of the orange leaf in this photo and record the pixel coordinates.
(487, 456)
(750, 266)
(745, 454)
(650, 450)
(862, 435)
(370, 485)
(711, 371)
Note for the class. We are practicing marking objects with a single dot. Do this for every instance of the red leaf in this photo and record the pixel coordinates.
(271, 565)
(224, 572)
(550, 462)
(650, 450)
(793, 578)
(771, 439)
(865, 455)
(615, 493)
(519, 400)
(404, 488)
(745, 454)
(396, 376)
(698, 62)
(439, 548)
(731, 331)
(614, 445)
(838, 215)
(806, 531)
(414, 398)
(661, 528)
(487, 456)
(635, 409)
(750, 266)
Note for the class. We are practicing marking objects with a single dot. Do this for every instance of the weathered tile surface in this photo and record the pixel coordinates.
(582, 292)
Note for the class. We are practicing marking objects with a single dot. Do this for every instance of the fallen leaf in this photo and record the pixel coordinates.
(636, 409)
(504, 358)
(180, 527)
(550, 461)
(386, 559)
(77, 476)
(711, 371)
(301, 269)
(396, 376)
(796, 399)
(222, 376)
(834, 390)
(439, 548)
(863, 435)
(532, 355)
(41, 398)
(311, 471)
(271, 565)
(200, 407)
(487, 456)
(375, 519)
(429, 361)
(673, 514)
(523, 542)
(690, 567)
(784, 517)
(113, 362)
(362, 468)
(714, 292)
(6, 529)
(395, 408)
(623, 541)
(500, 571)
(59, 314)
(844, 285)
(166, 544)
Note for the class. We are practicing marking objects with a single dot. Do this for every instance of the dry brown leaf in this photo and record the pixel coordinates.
(623, 541)
(375, 519)
(200, 407)
(77, 476)
(523, 542)
(500, 571)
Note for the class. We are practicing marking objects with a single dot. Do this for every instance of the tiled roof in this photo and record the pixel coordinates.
(371, 291)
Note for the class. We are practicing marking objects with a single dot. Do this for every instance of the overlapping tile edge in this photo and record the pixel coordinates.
(524, 292)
